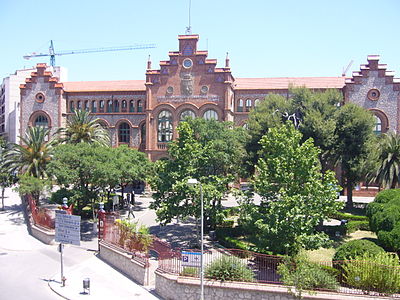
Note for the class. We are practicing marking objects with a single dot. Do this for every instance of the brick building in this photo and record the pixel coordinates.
(145, 113)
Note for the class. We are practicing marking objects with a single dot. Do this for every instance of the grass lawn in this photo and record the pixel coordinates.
(326, 254)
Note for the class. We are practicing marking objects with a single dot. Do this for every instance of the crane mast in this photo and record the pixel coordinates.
(52, 53)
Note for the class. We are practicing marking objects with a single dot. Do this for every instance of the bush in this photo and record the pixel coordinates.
(190, 271)
(233, 243)
(229, 268)
(386, 196)
(57, 196)
(380, 273)
(390, 239)
(355, 248)
(385, 219)
(228, 223)
(346, 216)
(305, 275)
(353, 226)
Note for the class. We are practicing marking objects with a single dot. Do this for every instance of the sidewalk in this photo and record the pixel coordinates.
(105, 283)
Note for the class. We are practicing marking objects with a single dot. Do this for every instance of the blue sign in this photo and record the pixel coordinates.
(191, 259)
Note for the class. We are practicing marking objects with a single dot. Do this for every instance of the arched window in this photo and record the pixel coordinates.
(101, 106)
(143, 133)
(140, 106)
(123, 105)
(41, 121)
(245, 126)
(131, 106)
(240, 105)
(116, 106)
(71, 106)
(378, 125)
(256, 102)
(86, 105)
(165, 126)
(109, 106)
(94, 106)
(210, 115)
(124, 133)
(187, 114)
(78, 105)
(248, 104)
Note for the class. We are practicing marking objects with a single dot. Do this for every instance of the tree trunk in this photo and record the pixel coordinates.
(2, 198)
(349, 188)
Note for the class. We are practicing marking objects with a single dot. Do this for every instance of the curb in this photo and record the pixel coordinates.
(62, 296)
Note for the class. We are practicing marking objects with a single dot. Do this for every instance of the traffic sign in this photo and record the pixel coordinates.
(191, 259)
(68, 228)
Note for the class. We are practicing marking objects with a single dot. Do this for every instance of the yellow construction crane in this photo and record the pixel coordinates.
(53, 54)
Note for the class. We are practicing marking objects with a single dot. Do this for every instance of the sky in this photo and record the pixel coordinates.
(264, 38)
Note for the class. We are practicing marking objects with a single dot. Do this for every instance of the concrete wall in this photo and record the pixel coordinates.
(122, 261)
(43, 235)
(172, 287)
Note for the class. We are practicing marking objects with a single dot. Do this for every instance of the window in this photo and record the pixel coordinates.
(94, 106)
(41, 121)
(101, 106)
(71, 106)
(40, 97)
(124, 105)
(78, 105)
(109, 106)
(124, 133)
(373, 94)
(256, 102)
(139, 106)
(240, 105)
(187, 114)
(164, 126)
(378, 125)
(187, 50)
(86, 105)
(131, 106)
(248, 105)
(116, 106)
(210, 115)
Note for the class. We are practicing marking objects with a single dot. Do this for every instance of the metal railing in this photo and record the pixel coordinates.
(40, 216)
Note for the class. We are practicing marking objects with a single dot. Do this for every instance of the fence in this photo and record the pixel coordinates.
(41, 216)
(363, 278)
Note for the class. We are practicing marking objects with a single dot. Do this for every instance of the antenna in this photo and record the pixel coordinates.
(347, 68)
(189, 28)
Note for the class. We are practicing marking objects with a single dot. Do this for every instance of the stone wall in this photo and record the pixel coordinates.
(172, 287)
(43, 235)
(123, 262)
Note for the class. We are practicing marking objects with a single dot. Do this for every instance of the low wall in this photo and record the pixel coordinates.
(172, 287)
(43, 235)
(122, 261)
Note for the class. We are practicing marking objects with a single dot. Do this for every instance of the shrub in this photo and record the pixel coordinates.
(229, 268)
(387, 195)
(355, 248)
(228, 223)
(390, 239)
(233, 243)
(385, 219)
(380, 272)
(373, 208)
(190, 271)
(353, 226)
(305, 275)
(57, 196)
(346, 216)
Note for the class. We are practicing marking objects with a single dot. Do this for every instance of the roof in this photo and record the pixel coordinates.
(284, 82)
(104, 86)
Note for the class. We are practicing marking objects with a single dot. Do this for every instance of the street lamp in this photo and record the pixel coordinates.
(193, 181)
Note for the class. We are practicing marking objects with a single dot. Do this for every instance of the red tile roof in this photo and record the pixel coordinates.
(104, 86)
(284, 82)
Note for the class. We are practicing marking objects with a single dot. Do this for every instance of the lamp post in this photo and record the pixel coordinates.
(193, 181)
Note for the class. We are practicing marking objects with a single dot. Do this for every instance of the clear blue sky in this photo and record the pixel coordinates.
(264, 38)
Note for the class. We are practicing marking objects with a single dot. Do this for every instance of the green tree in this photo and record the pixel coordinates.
(207, 151)
(83, 128)
(32, 185)
(7, 179)
(387, 173)
(33, 156)
(355, 143)
(296, 195)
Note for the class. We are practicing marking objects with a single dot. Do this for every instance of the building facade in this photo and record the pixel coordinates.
(144, 114)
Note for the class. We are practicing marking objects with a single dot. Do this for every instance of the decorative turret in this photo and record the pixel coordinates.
(227, 61)
(149, 64)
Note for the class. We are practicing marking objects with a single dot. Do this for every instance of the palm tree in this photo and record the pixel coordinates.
(32, 156)
(387, 174)
(81, 127)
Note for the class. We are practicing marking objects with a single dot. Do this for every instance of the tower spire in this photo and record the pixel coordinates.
(227, 61)
(149, 64)
(189, 28)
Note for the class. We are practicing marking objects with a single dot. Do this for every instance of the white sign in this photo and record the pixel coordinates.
(191, 259)
(68, 228)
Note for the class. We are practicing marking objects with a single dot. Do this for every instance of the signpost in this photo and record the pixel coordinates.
(68, 231)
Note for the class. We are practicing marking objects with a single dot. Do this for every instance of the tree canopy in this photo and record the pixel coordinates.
(296, 195)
